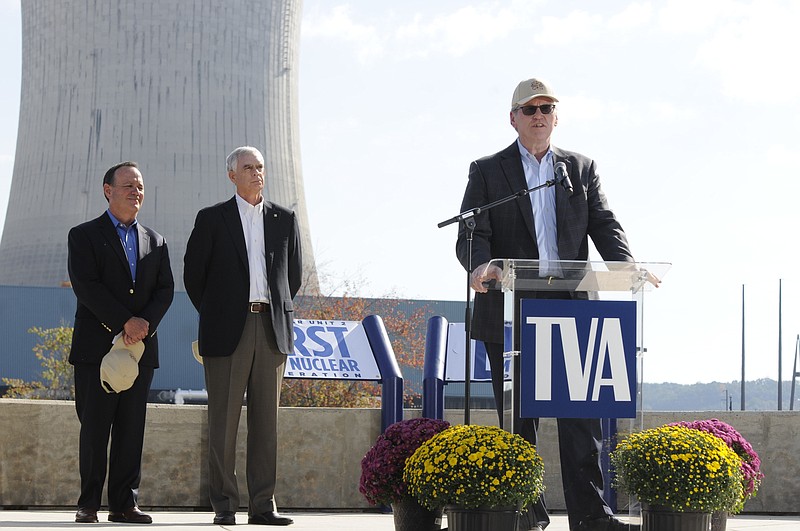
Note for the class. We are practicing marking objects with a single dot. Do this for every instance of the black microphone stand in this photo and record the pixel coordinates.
(468, 219)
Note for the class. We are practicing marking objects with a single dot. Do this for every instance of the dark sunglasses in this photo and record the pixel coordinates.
(530, 110)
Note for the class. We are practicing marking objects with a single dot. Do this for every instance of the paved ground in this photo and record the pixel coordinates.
(306, 521)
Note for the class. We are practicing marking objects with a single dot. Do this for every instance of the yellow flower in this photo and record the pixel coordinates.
(477, 465)
(678, 467)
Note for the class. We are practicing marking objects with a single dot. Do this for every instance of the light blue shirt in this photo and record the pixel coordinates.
(543, 202)
(129, 237)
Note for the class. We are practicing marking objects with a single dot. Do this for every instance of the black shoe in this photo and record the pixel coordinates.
(606, 523)
(225, 518)
(130, 516)
(86, 515)
(269, 518)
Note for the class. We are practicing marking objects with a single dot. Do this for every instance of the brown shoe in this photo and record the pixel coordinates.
(85, 515)
(130, 516)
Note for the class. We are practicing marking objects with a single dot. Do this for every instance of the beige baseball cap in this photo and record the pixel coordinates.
(120, 366)
(530, 89)
(196, 351)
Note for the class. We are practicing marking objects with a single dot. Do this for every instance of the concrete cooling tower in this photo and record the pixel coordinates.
(172, 84)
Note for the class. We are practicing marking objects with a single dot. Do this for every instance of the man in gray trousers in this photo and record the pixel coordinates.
(242, 268)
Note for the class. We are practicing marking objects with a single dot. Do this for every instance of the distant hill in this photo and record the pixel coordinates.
(760, 395)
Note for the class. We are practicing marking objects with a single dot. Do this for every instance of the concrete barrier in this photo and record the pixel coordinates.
(320, 451)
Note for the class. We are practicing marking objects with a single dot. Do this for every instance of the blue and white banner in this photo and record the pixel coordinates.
(331, 350)
(455, 362)
(578, 358)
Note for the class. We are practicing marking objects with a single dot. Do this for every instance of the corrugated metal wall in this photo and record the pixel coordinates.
(24, 307)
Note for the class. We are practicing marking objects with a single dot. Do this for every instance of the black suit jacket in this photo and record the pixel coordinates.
(216, 274)
(507, 231)
(107, 296)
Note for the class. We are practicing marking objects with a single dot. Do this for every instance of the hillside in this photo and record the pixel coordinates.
(760, 395)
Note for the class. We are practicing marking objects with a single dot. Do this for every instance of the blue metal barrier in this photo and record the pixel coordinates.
(391, 378)
(610, 443)
(433, 374)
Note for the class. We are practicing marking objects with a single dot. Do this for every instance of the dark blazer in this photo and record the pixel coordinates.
(107, 296)
(217, 278)
(507, 231)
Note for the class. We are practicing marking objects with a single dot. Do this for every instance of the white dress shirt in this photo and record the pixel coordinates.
(252, 217)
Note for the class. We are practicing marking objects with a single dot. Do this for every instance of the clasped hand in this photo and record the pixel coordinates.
(136, 329)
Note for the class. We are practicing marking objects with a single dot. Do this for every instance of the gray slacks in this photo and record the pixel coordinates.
(255, 368)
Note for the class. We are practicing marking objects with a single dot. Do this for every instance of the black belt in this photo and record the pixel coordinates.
(259, 307)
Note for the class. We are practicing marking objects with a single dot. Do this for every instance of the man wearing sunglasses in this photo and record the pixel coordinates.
(551, 223)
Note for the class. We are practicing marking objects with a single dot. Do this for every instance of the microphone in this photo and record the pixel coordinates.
(563, 177)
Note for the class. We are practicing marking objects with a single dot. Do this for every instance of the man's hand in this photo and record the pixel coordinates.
(136, 329)
(652, 279)
(632, 266)
(484, 273)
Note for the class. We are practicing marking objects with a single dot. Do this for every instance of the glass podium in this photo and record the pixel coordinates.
(586, 348)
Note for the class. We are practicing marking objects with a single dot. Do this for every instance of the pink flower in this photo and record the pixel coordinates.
(382, 466)
(751, 463)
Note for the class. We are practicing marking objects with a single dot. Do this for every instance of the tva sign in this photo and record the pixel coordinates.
(578, 358)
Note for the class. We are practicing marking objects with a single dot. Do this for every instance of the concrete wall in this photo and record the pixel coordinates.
(320, 453)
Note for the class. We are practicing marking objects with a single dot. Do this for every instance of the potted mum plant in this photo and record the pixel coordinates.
(481, 475)
(382, 473)
(681, 475)
(751, 463)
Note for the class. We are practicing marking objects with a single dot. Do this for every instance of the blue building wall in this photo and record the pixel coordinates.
(24, 307)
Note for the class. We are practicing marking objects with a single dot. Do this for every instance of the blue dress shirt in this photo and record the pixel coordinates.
(129, 237)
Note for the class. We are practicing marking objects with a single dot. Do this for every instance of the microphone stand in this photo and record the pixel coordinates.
(468, 219)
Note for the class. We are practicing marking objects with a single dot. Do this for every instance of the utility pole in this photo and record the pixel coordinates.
(795, 374)
(742, 383)
(780, 350)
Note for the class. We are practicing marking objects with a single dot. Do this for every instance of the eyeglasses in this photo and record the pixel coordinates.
(530, 110)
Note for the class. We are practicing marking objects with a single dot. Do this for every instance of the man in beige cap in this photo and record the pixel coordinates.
(552, 223)
(120, 273)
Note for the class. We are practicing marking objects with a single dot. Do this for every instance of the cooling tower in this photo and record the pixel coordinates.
(172, 84)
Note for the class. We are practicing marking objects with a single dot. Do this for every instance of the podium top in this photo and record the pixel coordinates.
(578, 275)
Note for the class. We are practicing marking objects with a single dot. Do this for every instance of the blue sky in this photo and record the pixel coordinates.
(687, 107)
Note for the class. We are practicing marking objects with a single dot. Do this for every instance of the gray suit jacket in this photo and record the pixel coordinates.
(507, 231)
(217, 278)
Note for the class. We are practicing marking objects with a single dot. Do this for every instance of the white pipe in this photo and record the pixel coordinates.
(181, 394)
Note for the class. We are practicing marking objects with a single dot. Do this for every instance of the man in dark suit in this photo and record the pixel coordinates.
(121, 276)
(242, 268)
(550, 224)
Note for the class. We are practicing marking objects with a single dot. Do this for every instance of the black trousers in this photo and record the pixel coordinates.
(120, 416)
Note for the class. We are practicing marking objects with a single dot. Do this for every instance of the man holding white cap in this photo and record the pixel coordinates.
(121, 276)
(552, 223)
